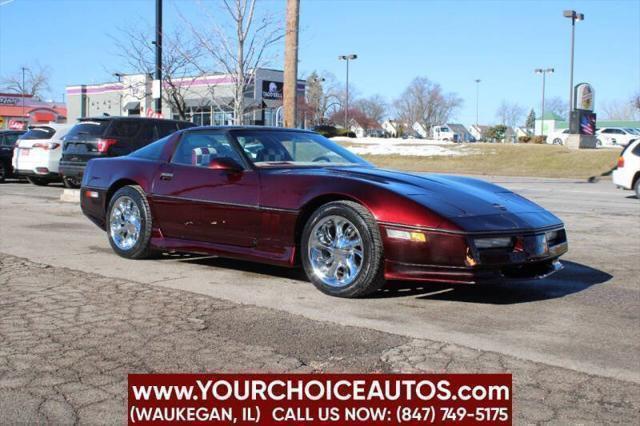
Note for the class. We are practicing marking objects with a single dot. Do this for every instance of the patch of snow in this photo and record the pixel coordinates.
(397, 146)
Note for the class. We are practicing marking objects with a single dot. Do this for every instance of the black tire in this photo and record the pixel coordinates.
(70, 182)
(38, 181)
(636, 188)
(142, 248)
(557, 141)
(3, 172)
(598, 143)
(370, 278)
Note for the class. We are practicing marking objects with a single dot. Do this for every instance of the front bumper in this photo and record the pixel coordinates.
(452, 257)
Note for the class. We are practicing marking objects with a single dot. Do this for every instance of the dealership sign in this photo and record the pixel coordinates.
(271, 90)
(584, 97)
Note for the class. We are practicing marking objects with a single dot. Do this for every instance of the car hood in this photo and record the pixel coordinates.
(472, 204)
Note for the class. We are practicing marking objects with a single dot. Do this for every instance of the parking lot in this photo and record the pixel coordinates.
(75, 318)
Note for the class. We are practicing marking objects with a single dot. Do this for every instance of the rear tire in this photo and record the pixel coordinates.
(3, 172)
(129, 215)
(70, 182)
(359, 225)
(557, 141)
(38, 181)
(636, 187)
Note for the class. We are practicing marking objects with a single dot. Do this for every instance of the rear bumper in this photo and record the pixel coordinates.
(93, 204)
(34, 173)
(72, 169)
(622, 178)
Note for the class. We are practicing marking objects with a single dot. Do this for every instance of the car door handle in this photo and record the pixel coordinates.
(166, 176)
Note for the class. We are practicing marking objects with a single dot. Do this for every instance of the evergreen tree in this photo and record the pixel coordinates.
(531, 120)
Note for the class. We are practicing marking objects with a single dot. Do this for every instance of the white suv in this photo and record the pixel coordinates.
(616, 136)
(37, 153)
(627, 174)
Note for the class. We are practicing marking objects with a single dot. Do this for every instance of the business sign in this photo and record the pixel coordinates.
(272, 90)
(17, 125)
(152, 114)
(584, 97)
(8, 100)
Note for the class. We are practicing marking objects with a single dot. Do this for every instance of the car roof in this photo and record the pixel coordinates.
(247, 127)
(129, 118)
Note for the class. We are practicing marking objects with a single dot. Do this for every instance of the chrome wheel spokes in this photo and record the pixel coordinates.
(125, 223)
(336, 251)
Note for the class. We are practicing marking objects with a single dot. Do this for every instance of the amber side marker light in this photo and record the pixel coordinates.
(414, 236)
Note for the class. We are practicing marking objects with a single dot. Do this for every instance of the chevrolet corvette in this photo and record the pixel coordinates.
(291, 197)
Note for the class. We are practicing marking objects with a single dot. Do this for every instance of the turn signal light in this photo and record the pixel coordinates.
(620, 161)
(414, 236)
(105, 144)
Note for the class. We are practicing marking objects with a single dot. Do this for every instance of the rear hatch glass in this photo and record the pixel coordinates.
(38, 133)
(81, 143)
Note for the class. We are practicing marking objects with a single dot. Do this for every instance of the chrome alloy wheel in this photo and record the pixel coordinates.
(125, 223)
(336, 251)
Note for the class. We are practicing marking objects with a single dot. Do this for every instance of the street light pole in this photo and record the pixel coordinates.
(574, 16)
(544, 72)
(158, 43)
(477, 98)
(346, 110)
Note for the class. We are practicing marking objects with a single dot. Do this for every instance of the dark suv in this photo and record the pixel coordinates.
(109, 137)
(8, 140)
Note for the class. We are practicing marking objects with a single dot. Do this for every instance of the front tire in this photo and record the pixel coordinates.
(3, 172)
(129, 223)
(341, 250)
(636, 187)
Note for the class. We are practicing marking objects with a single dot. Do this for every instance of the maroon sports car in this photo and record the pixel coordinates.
(290, 197)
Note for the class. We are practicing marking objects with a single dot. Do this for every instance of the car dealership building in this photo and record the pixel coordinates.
(208, 99)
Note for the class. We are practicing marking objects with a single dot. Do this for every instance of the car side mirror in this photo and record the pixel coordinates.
(227, 164)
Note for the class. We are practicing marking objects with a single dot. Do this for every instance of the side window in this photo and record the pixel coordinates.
(125, 128)
(619, 132)
(9, 140)
(199, 148)
(607, 131)
(165, 129)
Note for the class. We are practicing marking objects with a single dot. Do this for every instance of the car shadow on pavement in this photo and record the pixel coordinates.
(296, 274)
(574, 278)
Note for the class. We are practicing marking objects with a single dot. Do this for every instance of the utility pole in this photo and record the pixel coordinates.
(158, 43)
(23, 92)
(291, 63)
(574, 16)
(477, 99)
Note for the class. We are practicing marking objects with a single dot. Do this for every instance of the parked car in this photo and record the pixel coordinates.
(615, 136)
(37, 153)
(558, 137)
(303, 199)
(109, 137)
(627, 174)
(8, 140)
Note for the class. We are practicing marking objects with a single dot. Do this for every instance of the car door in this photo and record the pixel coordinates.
(193, 202)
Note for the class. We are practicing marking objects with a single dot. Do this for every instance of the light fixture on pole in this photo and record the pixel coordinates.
(544, 72)
(477, 80)
(574, 16)
(346, 110)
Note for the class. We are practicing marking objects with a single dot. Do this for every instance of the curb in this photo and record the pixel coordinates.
(70, 196)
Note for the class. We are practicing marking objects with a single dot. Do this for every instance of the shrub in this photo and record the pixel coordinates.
(524, 139)
(539, 139)
(326, 131)
(346, 132)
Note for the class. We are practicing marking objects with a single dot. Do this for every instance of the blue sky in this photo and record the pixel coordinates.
(450, 42)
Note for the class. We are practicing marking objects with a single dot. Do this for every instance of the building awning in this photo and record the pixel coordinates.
(44, 117)
(132, 105)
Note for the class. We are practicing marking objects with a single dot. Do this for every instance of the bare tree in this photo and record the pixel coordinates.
(510, 114)
(322, 96)
(238, 50)
(374, 107)
(424, 102)
(622, 110)
(36, 81)
(179, 55)
(558, 106)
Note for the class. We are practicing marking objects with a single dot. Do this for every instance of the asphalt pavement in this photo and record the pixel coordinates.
(579, 326)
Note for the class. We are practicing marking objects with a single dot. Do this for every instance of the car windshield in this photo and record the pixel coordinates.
(38, 133)
(277, 148)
